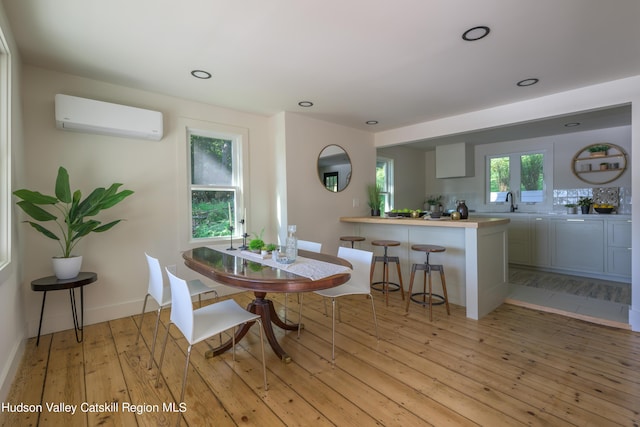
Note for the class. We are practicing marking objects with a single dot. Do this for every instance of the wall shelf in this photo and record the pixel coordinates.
(587, 168)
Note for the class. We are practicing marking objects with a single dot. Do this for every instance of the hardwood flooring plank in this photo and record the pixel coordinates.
(28, 384)
(516, 366)
(65, 383)
(140, 381)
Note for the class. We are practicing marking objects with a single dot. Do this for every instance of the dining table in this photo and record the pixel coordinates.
(245, 270)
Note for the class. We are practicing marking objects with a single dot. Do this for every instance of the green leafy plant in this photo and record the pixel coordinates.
(599, 148)
(434, 200)
(256, 244)
(374, 191)
(570, 205)
(69, 211)
(585, 201)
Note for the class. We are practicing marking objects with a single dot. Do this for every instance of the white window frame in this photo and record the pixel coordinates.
(240, 138)
(515, 176)
(5, 157)
(388, 191)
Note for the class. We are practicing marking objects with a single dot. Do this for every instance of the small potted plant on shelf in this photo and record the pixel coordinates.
(585, 204)
(374, 191)
(599, 150)
(73, 216)
(571, 208)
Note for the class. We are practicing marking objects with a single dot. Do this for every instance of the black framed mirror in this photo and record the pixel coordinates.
(334, 168)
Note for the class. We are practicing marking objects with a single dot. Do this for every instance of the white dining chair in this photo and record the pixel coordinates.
(358, 284)
(162, 294)
(305, 245)
(202, 323)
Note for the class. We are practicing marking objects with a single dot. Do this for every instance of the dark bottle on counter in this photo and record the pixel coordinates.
(462, 209)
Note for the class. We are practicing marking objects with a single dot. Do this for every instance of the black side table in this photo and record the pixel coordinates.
(52, 283)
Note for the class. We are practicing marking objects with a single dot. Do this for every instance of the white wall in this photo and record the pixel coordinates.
(409, 170)
(154, 170)
(310, 206)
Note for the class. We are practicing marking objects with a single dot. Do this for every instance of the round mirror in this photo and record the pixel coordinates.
(334, 168)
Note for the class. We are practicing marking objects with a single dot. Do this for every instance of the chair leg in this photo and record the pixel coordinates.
(430, 298)
(155, 335)
(333, 330)
(444, 289)
(375, 319)
(286, 297)
(164, 347)
(400, 280)
(413, 274)
(184, 376)
(264, 363)
(144, 306)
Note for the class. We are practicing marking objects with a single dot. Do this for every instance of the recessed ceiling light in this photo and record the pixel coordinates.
(527, 82)
(200, 74)
(476, 33)
(572, 124)
(371, 122)
(305, 104)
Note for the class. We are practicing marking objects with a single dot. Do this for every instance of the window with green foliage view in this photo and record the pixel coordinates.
(214, 185)
(522, 171)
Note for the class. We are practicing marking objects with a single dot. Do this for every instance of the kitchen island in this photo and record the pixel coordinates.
(475, 262)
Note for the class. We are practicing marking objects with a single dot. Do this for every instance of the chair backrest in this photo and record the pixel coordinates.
(306, 245)
(156, 282)
(361, 262)
(181, 306)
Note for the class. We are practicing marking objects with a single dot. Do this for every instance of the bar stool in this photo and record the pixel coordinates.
(386, 259)
(427, 268)
(352, 239)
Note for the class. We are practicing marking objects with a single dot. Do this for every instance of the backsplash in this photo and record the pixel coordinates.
(617, 196)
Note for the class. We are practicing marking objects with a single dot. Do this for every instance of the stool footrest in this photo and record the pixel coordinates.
(436, 299)
(379, 286)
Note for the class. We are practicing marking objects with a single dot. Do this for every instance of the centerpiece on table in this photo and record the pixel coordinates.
(73, 216)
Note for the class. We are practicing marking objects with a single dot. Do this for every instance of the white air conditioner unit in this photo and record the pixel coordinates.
(91, 116)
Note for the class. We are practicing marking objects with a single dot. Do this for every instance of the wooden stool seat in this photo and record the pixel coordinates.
(386, 285)
(427, 267)
(352, 239)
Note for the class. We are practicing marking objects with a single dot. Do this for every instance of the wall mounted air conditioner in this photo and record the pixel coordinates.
(90, 116)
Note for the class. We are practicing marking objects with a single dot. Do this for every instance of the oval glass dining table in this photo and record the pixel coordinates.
(229, 268)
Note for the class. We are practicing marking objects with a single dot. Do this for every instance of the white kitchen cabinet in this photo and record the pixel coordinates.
(619, 248)
(519, 241)
(578, 244)
(540, 250)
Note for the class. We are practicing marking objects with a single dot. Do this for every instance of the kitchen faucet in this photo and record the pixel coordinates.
(512, 208)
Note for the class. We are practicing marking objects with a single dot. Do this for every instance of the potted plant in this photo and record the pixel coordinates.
(571, 208)
(256, 244)
(434, 202)
(585, 204)
(374, 191)
(599, 150)
(72, 216)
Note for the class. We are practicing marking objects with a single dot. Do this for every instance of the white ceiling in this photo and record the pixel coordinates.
(399, 62)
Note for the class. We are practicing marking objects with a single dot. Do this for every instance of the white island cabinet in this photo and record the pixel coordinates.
(475, 261)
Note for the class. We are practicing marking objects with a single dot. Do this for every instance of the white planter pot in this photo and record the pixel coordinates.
(67, 268)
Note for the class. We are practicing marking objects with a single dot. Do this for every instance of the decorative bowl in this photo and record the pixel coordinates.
(603, 210)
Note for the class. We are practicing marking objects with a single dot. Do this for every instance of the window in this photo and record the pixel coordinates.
(216, 193)
(521, 171)
(5, 155)
(384, 178)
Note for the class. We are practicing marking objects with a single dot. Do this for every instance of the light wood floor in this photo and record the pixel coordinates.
(514, 367)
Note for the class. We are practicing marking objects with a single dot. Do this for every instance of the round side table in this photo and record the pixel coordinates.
(52, 283)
